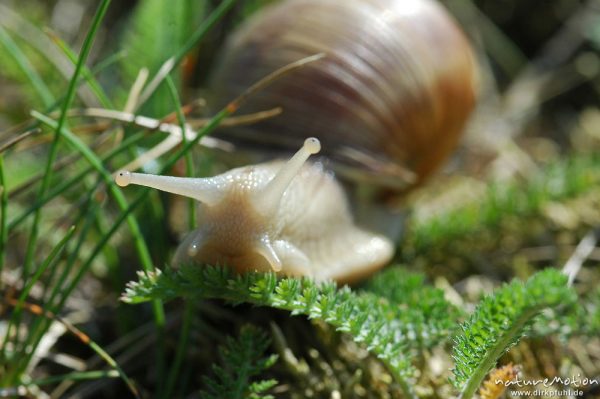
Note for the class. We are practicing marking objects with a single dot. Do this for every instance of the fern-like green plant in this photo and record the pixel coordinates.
(580, 320)
(421, 310)
(243, 358)
(394, 315)
(591, 321)
(389, 330)
(500, 320)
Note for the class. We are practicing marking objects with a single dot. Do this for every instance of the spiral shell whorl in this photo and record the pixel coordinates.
(397, 83)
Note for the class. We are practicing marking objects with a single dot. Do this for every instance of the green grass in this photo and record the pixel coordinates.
(52, 152)
(38, 84)
(61, 277)
(560, 181)
(3, 216)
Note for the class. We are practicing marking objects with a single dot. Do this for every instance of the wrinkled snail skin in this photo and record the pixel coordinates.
(389, 99)
(289, 217)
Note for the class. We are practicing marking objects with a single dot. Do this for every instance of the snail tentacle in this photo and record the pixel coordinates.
(209, 190)
(267, 200)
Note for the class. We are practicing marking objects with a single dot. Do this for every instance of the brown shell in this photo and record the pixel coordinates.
(392, 94)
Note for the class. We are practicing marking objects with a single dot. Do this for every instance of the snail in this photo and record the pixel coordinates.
(388, 101)
(288, 217)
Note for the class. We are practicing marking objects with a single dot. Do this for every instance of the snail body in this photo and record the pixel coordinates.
(288, 217)
(388, 101)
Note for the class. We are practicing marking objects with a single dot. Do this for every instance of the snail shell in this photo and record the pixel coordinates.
(388, 101)
(287, 217)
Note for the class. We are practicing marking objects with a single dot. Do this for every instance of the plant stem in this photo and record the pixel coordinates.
(3, 215)
(189, 165)
(491, 358)
(181, 349)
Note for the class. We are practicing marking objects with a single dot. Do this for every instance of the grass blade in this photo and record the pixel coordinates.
(85, 339)
(189, 165)
(37, 82)
(182, 346)
(115, 192)
(67, 184)
(86, 74)
(18, 306)
(70, 95)
(3, 216)
(174, 61)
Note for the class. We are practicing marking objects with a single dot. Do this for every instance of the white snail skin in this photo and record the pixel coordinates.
(290, 217)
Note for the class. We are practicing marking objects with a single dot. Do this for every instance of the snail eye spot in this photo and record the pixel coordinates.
(123, 178)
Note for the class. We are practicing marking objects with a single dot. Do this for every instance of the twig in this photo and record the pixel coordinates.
(174, 131)
(235, 104)
(240, 119)
(134, 93)
(10, 142)
(164, 70)
(582, 252)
